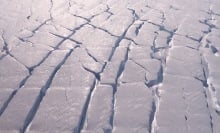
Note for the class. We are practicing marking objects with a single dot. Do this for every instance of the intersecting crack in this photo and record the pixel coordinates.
(106, 12)
(117, 84)
(31, 69)
(204, 62)
(43, 92)
(7, 51)
(161, 50)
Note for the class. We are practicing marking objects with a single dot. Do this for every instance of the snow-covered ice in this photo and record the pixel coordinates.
(110, 66)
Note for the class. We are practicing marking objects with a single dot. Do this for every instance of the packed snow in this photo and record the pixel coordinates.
(109, 66)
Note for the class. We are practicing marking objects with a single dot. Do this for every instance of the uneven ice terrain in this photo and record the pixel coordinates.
(109, 66)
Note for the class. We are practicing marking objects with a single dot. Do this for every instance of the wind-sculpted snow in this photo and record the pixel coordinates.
(110, 66)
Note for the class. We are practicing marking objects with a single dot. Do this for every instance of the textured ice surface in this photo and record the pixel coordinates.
(110, 66)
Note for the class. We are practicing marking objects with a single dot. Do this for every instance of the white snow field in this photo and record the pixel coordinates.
(109, 66)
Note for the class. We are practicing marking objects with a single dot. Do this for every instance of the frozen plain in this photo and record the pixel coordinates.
(110, 66)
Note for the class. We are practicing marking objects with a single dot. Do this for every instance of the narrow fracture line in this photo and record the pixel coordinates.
(206, 87)
(7, 51)
(120, 38)
(83, 115)
(44, 89)
(152, 119)
(102, 29)
(42, 93)
(31, 69)
(138, 28)
(117, 43)
(205, 67)
(38, 27)
(85, 108)
(153, 127)
(108, 11)
(121, 69)
(6, 103)
(116, 85)
(50, 10)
